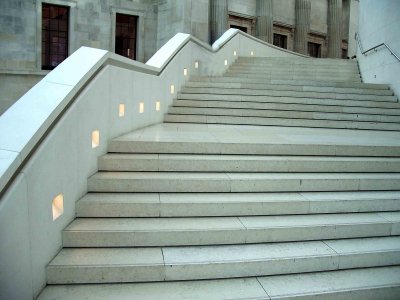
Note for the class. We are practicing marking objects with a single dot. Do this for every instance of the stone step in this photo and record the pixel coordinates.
(257, 75)
(111, 265)
(147, 232)
(177, 182)
(263, 121)
(365, 283)
(288, 100)
(233, 204)
(283, 66)
(289, 114)
(131, 145)
(297, 61)
(280, 93)
(285, 107)
(283, 87)
(244, 163)
(316, 83)
(290, 70)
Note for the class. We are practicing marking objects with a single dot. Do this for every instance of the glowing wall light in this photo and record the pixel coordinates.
(185, 72)
(196, 64)
(141, 107)
(158, 106)
(95, 138)
(234, 53)
(226, 62)
(172, 89)
(121, 110)
(251, 53)
(58, 206)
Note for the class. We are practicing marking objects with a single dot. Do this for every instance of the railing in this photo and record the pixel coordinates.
(358, 38)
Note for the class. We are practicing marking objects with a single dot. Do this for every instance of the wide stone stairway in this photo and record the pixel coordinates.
(213, 204)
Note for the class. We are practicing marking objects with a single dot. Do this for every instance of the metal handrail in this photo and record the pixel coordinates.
(358, 38)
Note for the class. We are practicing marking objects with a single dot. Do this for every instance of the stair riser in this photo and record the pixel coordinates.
(251, 149)
(206, 119)
(283, 114)
(284, 107)
(293, 77)
(245, 208)
(289, 100)
(241, 185)
(279, 87)
(99, 274)
(286, 67)
(315, 83)
(170, 272)
(300, 94)
(219, 165)
(291, 71)
(220, 237)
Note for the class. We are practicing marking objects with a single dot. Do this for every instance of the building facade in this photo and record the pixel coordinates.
(36, 35)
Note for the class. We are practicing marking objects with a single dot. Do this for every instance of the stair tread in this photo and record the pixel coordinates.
(244, 157)
(262, 287)
(218, 223)
(237, 176)
(282, 87)
(298, 107)
(237, 197)
(290, 100)
(233, 204)
(290, 81)
(221, 253)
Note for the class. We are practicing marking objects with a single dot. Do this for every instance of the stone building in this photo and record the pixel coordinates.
(37, 35)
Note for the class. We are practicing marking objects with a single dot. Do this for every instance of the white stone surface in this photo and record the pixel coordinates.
(64, 159)
(241, 288)
(379, 23)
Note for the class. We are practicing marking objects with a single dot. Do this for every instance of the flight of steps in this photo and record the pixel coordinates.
(288, 92)
(203, 211)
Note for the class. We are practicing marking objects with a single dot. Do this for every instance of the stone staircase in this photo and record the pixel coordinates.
(324, 93)
(210, 206)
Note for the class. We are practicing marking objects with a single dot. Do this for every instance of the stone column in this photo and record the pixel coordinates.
(302, 12)
(335, 28)
(265, 20)
(218, 18)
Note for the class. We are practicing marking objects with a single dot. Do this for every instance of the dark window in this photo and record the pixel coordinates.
(125, 35)
(54, 35)
(242, 28)
(280, 40)
(314, 50)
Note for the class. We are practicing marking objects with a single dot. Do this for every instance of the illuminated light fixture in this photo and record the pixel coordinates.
(226, 62)
(95, 138)
(121, 110)
(196, 64)
(185, 72)
(58, 206)
(158, 106)
(251, 53)
(234, 53)
(172, 89)
(141, 107)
